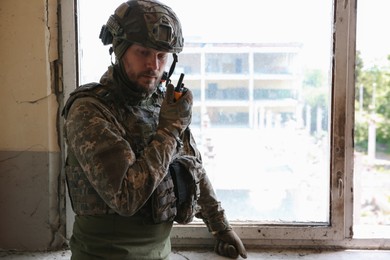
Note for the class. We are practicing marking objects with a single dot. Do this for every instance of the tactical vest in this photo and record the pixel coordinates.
(164, 203)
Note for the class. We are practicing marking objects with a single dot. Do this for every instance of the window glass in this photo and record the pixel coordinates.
(227, 63)
(275, 63)
(189, 64)
(372, 121)
(227, 90)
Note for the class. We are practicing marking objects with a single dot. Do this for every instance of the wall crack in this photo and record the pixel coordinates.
(32, 101)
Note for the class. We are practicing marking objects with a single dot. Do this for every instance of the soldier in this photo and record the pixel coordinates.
(132, 166)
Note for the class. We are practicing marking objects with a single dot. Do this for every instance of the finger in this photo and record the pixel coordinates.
(239, 246)
(241, 249)
(228, 250)
(232, 251)
(187, 97)
(242, 252)
(220, 248)
(169, 95)
(216, 247)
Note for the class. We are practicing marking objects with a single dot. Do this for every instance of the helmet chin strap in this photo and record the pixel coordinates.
(167, 77)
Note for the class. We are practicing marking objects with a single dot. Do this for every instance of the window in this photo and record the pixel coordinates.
(227, 63)
(272, 114)
(372, 171)
(274, 63)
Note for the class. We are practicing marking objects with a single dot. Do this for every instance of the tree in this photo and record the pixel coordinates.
(383, 107)
(316, 95)
(372, 102)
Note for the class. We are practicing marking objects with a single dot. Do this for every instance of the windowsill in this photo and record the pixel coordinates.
(280, 254)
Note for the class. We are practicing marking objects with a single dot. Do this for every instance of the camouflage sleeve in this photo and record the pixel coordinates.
(123, 181)
(210, 209)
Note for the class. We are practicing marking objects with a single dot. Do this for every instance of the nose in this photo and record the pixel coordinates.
(152, 62)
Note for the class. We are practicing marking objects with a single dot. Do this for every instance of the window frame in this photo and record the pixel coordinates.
(307, 234)
(339, 232)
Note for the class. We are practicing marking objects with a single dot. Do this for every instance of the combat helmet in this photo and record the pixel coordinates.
(146, 22)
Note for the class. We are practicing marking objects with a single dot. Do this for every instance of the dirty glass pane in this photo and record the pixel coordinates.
(372, 121)
(260, 71)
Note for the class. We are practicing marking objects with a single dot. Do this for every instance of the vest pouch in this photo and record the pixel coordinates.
(164, 201)
(185, 192)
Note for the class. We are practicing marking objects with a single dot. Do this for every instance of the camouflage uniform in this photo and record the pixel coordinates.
(116, 163)
(129, 175)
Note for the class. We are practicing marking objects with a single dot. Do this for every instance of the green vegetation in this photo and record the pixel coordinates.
(372, 104)
(315, 91)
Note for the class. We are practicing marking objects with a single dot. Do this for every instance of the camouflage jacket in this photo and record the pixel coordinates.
(116, 159)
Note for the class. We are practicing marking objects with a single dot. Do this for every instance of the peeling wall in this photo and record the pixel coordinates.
(30, 156)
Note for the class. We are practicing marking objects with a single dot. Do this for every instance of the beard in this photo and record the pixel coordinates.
(145, 82)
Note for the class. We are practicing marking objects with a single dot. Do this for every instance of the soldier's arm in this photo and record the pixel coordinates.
(228, 242)
(211, 212)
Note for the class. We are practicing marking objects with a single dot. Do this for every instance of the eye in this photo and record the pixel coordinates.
(162, 56)
(144, 52)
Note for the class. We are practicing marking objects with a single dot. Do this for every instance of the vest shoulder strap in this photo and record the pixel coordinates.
(93, 89)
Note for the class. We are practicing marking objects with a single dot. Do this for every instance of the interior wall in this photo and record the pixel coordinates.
(30, 157)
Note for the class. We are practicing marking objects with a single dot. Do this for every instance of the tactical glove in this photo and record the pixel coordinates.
(175, 115)
(229, 244)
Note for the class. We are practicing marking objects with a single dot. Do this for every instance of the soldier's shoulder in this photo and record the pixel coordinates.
(94, 92)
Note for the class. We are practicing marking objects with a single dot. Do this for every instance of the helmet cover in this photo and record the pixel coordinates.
(146, 22)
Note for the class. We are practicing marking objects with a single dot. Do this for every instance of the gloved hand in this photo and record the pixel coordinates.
(229, 244)
(175, 116)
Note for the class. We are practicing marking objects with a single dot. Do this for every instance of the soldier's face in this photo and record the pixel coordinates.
(144, 66)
